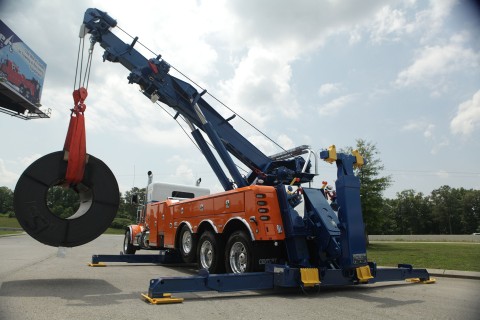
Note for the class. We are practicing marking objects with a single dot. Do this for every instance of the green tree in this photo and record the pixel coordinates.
(62, 202)
(6, 200)
(447, 209)
(389, 223)
(471, 211)
(412, 212)
(373, 184)
(127, 211)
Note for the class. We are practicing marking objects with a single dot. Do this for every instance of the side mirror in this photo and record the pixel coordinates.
(134, 199)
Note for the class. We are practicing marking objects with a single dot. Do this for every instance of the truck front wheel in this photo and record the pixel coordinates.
(210, 253)
(239, 253)
(128, 247)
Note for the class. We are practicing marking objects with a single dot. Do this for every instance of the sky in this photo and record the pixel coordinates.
(404, 75)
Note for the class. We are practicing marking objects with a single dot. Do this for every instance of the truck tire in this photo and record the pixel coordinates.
(210, 253)
(99, 200)
(187, 245)
(239, 253)
(128, 247)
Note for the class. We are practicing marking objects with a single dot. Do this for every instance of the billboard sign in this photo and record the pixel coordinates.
(20, 68)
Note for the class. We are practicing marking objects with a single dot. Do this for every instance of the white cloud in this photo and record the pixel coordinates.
(328, 88)
(442, 174)
(439, 144)
(183, 175)
(334, 106)
(116, 107)
(275, 22)
(28, 160)
(7, 177)
(429, 22)
(185, 169)
(9, 170)
(355, 35)
(467, 118)
(167, 33)
(433, 64)
(428, 133)
(427, 129)
(285, 141)
(420, 125)
(156, 136)
(390, 24)
(395, 21)
(260, 86)
(263, 144)
(272, 36)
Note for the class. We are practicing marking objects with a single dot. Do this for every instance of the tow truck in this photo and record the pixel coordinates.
(268, 229)
(29, 88)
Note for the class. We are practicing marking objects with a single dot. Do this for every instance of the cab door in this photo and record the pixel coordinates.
(165, 230)
(151, 221)
(168, 229)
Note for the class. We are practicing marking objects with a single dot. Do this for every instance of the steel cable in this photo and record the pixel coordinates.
(212, 96)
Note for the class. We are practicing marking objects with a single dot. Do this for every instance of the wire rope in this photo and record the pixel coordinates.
(209, 94)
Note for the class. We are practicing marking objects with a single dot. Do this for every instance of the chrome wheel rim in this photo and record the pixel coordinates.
(238, 258)
(187, 242)
(206, 254)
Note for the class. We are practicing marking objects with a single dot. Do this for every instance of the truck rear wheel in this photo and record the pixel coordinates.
(239, 253)
(187, 245)
(128, 247)
(210, 253)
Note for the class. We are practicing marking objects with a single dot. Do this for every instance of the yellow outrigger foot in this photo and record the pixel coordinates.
(417, 280)
(166, 299)
(100, 264)
(364, 274)
(310, 277)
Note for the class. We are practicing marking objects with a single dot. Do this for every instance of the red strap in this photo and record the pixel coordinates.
(153, 66)
(75, 142)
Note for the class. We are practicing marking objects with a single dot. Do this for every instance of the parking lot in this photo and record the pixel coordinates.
(36, 283)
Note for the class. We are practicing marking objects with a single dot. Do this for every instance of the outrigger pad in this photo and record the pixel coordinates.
(99, 201)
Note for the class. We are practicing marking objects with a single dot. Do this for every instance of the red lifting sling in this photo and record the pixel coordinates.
(75, 142)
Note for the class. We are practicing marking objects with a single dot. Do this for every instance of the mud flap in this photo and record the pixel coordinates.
(99, 201)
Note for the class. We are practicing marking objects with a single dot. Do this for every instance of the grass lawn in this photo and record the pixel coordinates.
(448, 255)
(7, 222)
(4, 232)
(115, 231)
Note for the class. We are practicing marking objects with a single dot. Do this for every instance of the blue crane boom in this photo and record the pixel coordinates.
(157, 84)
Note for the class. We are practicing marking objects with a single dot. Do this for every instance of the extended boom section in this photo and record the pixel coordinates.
(152, 75)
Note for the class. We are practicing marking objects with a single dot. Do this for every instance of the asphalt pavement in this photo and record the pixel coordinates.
(39, 282)
(433, 272)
